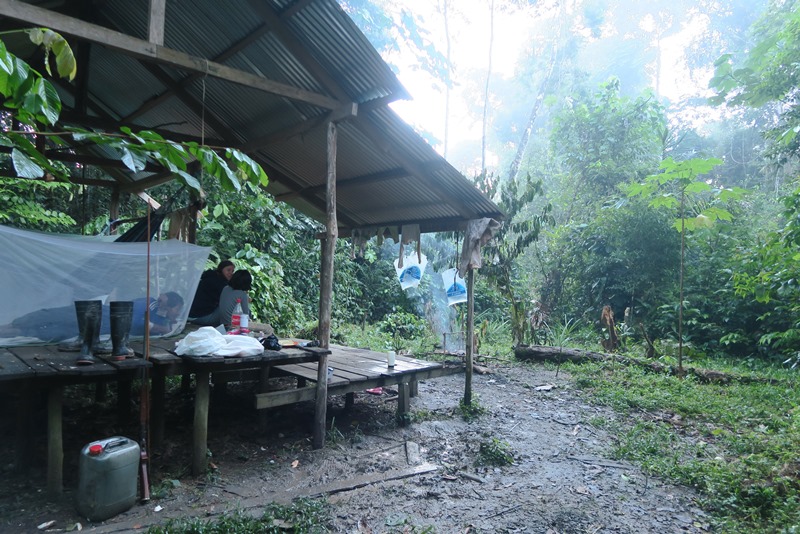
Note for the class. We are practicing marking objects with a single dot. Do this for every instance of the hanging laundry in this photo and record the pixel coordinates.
(410, 233)
(477, 234)
(388, 232)
(359, 238)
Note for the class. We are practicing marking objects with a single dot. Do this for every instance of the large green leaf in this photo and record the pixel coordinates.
(25, 167)
(6, 59)
(133, 160)
(51, 41)
(50, 104)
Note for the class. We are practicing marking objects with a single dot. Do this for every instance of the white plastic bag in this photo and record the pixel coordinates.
(208, 341)
(455, 287)
(202, 342)
(240, 346)
(410, 273)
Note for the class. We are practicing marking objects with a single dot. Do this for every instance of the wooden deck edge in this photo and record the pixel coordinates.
(272, 399)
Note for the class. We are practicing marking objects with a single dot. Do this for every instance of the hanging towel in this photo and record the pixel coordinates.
(387, 232)
(478, 233)
(359, 238)
(410, 232)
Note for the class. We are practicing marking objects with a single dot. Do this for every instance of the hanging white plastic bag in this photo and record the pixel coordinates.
(454, 286)
(410, 273)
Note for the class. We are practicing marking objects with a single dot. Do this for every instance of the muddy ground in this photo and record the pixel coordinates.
(378, 476)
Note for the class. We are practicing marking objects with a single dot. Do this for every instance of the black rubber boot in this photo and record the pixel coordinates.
(75, 346)
(90, 313)
(121, 319)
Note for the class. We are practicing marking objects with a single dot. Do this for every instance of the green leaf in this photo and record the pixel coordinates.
(714, 214)
(135, 162)
(6, 59)
(65, 61)
(50, 103)
(697, 187)
(66, 65)
(190, 180)
(24, 166)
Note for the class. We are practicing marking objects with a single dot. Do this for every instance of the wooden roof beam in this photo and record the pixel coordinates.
(299, 128)
(159, 54)
(169, 93)
(383, 176)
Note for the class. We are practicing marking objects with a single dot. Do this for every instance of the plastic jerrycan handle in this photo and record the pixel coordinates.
(116, 443)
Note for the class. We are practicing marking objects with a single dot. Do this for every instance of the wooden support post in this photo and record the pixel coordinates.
(469, 344)
(100, 392)
(328, 244)
(158, 396)
(186, 383)
(349, 400)
(321, 402)
(55, 445)
(24, 413)
(403, 403)
(263, 382)
(413, 385)
(124, 399)
(113, 209)
(200, 435)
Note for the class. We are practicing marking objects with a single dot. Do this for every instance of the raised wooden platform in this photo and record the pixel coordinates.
(25, 370)
(356, 370)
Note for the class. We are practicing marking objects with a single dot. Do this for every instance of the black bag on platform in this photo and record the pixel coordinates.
(271, 342)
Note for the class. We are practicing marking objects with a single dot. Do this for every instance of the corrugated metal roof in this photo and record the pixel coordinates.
(387, 174)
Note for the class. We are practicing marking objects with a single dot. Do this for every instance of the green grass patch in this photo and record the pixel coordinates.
(309, 516)
(472, 410)
(495, 453)
(738, 443)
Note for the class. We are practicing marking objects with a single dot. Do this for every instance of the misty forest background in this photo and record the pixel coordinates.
(615, 194)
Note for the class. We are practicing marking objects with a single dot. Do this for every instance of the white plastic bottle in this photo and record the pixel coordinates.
(236, 317)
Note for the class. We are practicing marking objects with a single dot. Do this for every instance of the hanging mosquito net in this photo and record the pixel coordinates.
(44, 274)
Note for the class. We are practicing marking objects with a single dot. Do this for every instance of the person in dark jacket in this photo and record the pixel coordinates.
(205, 306)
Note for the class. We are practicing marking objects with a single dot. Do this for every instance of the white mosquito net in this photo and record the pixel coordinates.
(42, 275)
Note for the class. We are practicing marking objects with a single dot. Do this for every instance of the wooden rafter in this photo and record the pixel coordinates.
(159, 54)
(158, 12)
(226, 54)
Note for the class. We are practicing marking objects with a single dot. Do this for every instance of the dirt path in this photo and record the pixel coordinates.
(383, 478)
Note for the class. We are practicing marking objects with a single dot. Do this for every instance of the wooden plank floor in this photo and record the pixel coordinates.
(357, 369)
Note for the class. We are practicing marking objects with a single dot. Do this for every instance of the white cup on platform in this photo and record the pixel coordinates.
(391, 357)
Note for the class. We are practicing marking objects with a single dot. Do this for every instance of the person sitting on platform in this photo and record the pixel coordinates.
(241, 282)
(205, 306)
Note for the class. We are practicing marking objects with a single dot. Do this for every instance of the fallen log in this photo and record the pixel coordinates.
(541, 354)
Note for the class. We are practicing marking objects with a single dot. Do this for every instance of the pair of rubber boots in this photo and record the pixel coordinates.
(90, 314)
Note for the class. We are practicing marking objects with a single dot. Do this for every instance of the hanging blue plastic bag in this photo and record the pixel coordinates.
(410, 274)
(454, 286)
